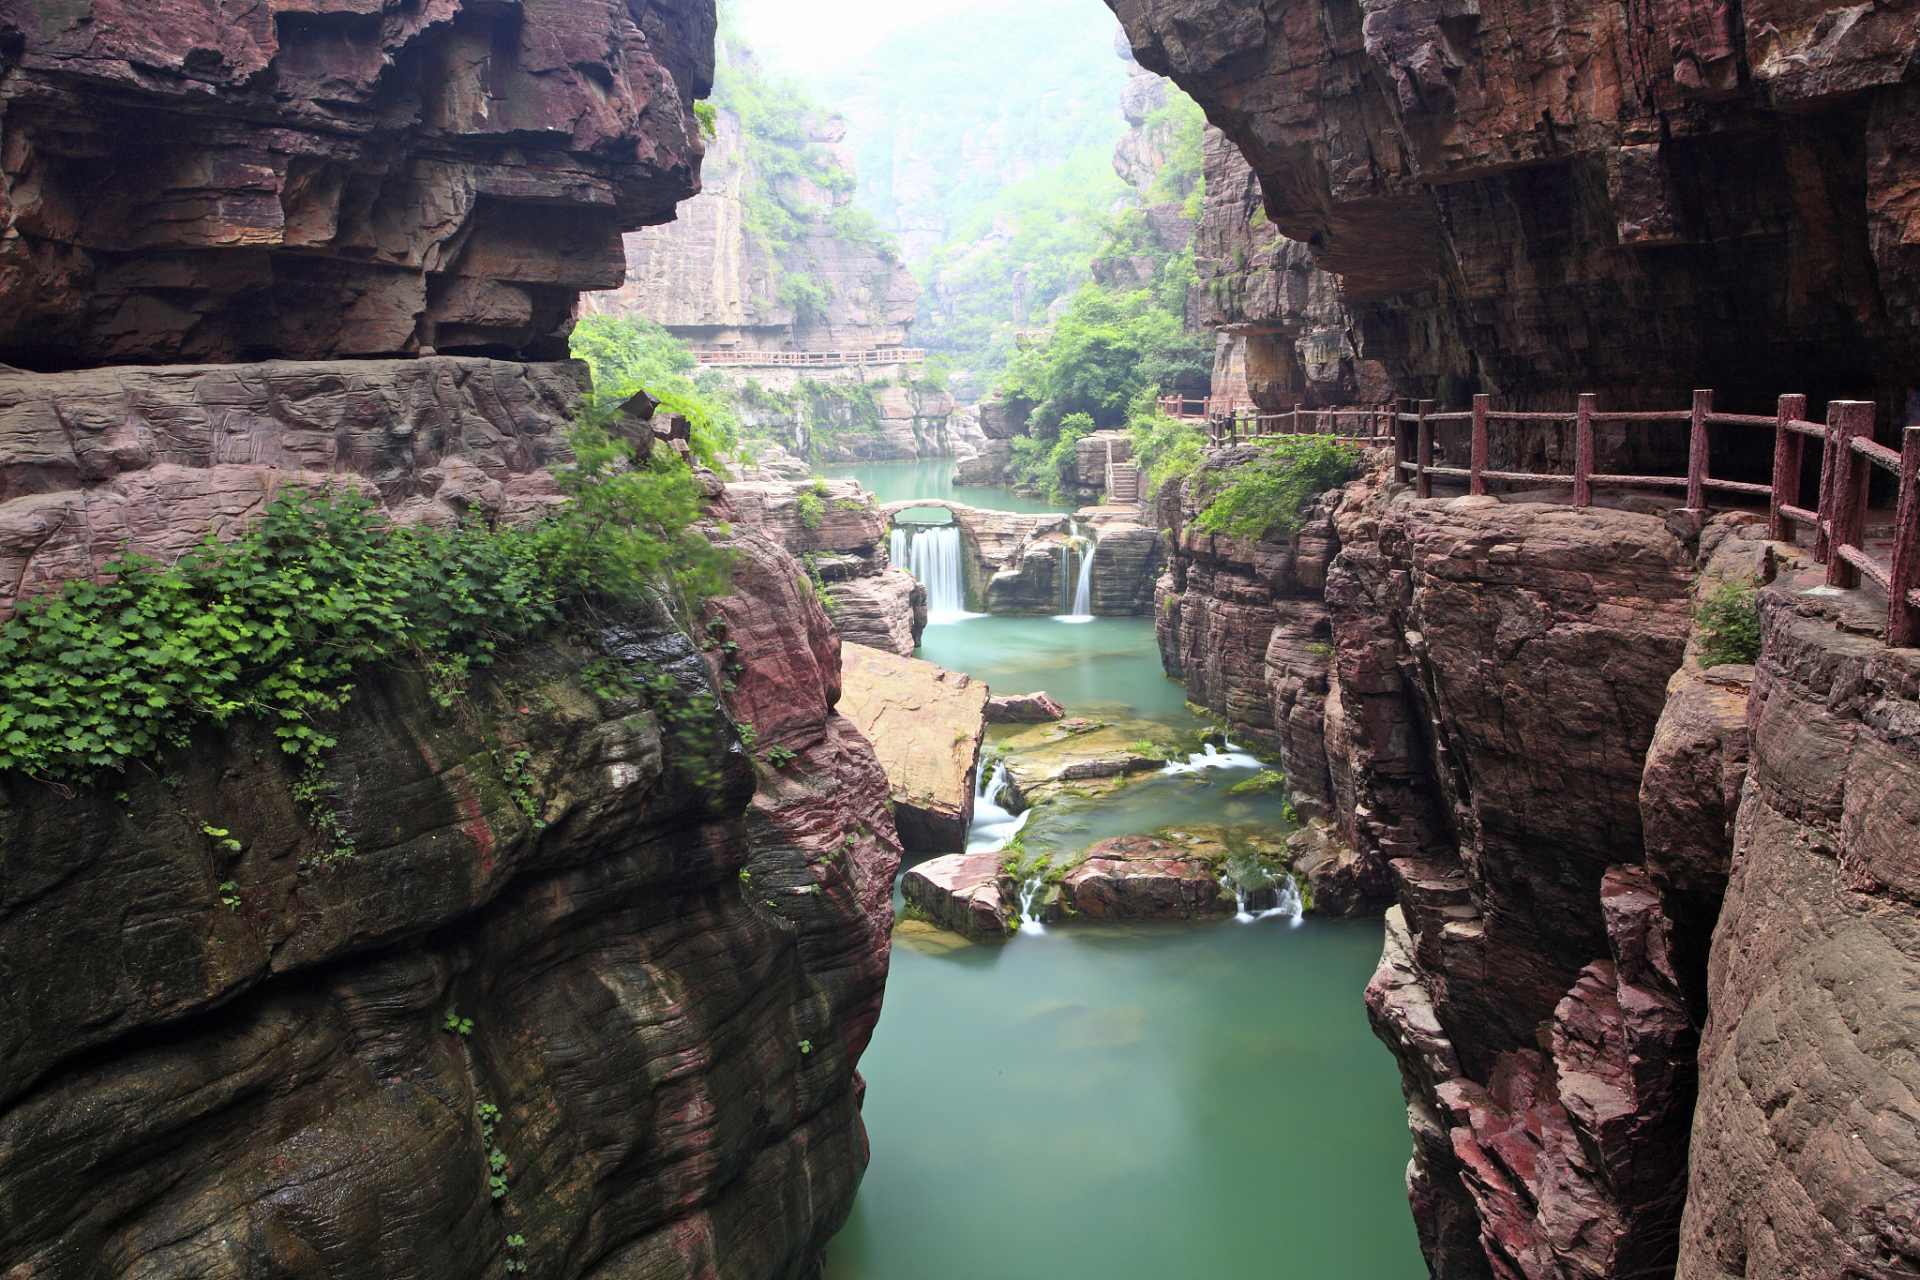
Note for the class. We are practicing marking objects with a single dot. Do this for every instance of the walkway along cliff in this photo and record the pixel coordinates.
(587, 994)
(1648, 919)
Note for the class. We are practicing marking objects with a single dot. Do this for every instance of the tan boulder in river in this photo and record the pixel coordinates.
(926, 724)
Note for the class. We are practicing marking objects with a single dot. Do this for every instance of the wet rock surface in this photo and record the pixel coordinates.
(1082, 757)
(926, 724)
(967, 893)
(199, 184)
(1024, 708)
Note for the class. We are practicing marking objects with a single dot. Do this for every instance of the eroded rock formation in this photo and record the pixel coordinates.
(97, 463)
(842, 542)
(207, 184)
(1540, 200)
(711, 278)
(223, 1059)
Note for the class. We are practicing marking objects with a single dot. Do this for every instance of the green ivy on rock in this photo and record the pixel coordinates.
(277, 623)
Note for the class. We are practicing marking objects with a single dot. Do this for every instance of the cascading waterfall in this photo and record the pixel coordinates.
(932, 556)
(1260, 892)
(993, 826)
(1082, 608)
(993, 829)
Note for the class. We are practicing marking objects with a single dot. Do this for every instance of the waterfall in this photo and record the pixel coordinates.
(1260, 893)
(1082, 609)
(932, 556)
(992, 825)
(1209, 756)
(993, 828)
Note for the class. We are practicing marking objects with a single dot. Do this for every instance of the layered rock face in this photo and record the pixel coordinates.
(1805, 1119)
(1286, 337)
(1245, 625)
(291, 181)
(1536, 201)
(232, 1059)
(97, 463)
(844, 545)
(711, 280)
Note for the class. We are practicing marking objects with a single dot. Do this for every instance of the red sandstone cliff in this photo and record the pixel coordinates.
(190, 182)
(1535, 200)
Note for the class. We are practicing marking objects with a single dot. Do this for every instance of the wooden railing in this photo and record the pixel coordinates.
(810, 359)
(1372, 426)
(1848, 451)
(1188, 409)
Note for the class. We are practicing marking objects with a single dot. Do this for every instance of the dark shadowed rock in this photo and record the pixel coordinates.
(191, 183)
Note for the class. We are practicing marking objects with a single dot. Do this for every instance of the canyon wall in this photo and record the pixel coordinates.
(197, 184)
(1648, 925)
(717, 277)
(1537, 201)
(541, 972)
(226, 1053)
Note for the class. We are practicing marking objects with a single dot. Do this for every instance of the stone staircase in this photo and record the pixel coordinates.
(1123, 483)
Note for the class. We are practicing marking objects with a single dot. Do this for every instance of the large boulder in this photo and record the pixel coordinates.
(926, 725)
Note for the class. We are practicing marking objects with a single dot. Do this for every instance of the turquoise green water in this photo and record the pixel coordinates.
(933, 480)
(1158, 1101)
(1149, 1102)
(1109, 667)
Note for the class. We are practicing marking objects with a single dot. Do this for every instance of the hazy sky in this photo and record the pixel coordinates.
(804, 35)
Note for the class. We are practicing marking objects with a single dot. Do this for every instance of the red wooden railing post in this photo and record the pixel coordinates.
(1482, 405)
(1903, 615)
(1402, 451)
(1424, 483)
(1855, 418)
(1697, 452)
(1583, 451)
(1789, 447)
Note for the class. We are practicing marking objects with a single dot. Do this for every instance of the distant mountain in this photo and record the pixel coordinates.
(946, 115)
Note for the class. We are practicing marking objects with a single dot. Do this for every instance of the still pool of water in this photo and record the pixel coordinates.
(1147, 1102)
(1109, 667)
(1156, 1101)
(932, 480)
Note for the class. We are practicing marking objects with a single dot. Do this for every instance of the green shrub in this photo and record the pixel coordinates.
(277, 623)
(1728, 623)
(813, 504)
(1270, 494)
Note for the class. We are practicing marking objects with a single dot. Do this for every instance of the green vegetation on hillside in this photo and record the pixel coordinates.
(783, 163)
(277, 623)
(1269, 495)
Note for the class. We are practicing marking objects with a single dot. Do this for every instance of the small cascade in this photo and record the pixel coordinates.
(993, 826)
(993, 829)
(1082, 608)
(1260, 893)
(1210, 756)
(1030, 897)
(932, 556)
